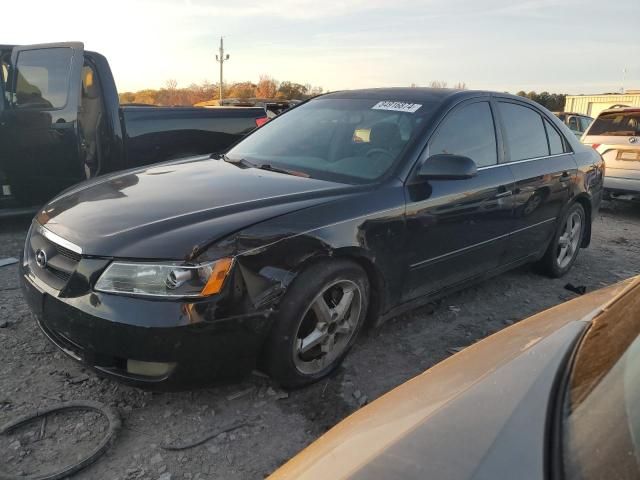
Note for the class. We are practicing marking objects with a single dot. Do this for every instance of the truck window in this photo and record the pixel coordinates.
(42, 79)
(573, 124)
(4, 74)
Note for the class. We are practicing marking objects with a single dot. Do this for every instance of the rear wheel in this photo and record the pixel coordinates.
(564, 248)
(317, 322)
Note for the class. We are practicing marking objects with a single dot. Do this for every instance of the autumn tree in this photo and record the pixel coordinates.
(242, 90)
(148, 97)
(173, 95)
(290, 90)
(552, 101)
(315, 91)
(127, 97)
(267, 87)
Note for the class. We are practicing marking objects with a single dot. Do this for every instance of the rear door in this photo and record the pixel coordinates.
(39, 125)
(543, 167)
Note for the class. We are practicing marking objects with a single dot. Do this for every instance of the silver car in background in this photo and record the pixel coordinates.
(615, 134)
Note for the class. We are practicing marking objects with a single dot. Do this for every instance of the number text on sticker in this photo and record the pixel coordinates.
(397, 106)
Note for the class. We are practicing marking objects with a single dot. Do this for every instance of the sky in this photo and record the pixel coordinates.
(561, 46)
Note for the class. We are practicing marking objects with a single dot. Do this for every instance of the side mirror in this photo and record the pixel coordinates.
(444, 166)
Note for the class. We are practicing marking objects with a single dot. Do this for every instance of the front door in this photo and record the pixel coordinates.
(39, 125)
(458, 229)
(543, 167)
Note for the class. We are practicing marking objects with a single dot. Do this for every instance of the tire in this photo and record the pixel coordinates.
(302, 348)
(554, 264)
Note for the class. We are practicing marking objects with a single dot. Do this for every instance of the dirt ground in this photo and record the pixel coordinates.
(273, 425)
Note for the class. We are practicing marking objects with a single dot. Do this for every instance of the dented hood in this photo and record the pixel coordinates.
(173, 209)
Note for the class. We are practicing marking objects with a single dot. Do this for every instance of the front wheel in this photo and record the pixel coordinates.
(565, 245)
(317, 322)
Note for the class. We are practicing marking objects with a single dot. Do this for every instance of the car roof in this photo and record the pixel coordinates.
(422, 94)
(573, 113)
(414, 94)
(620, 109)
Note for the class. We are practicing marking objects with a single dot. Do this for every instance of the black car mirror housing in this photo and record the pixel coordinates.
(444, 166)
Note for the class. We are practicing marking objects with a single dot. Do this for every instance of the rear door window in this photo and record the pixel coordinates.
(524, 132)
(42, 78)
(468, 131)
(617, 124)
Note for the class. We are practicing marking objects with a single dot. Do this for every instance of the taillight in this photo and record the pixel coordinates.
(261, 121)
(595, 146)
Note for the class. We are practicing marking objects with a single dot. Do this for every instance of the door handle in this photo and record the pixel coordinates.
(503, 193)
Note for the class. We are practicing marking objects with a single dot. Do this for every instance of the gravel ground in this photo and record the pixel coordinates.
(272, 425)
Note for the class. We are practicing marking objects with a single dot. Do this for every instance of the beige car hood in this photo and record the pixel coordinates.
(414, 412)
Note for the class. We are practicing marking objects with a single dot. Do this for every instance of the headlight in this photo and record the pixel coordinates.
(165, 280)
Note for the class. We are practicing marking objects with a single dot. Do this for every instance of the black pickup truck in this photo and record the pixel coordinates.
(61, 122)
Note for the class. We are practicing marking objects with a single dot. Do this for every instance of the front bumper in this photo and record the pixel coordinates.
(106, 331)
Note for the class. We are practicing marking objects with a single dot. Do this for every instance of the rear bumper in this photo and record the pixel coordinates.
(105, 332)
(619, 181)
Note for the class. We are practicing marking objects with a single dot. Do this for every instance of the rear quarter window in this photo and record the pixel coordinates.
(556, 142)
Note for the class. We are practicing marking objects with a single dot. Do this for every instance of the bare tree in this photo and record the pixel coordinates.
(438, 84)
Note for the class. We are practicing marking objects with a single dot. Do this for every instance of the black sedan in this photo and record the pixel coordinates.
(343, 211)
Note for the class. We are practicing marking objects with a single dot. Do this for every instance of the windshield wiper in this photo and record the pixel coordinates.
(264, 166)
(241, 161)
(271, 168)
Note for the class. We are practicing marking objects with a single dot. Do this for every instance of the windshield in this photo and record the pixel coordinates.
(601, 427)
(345, 140)
(617, 124)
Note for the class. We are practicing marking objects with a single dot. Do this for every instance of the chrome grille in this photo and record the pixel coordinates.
(60, 261)
(67, 253)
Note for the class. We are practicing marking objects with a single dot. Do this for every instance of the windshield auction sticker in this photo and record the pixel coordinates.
(397, 106)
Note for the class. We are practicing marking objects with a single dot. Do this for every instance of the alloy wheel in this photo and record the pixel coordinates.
(327, 326)
(568, 242)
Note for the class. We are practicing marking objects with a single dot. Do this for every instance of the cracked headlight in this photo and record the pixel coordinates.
(165, 279)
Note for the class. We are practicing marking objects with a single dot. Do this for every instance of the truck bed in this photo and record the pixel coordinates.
(154, 134)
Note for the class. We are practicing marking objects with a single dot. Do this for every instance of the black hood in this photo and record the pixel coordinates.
(173, 209)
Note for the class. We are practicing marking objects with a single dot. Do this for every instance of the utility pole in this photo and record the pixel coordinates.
(221, 58)
(624, 78)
